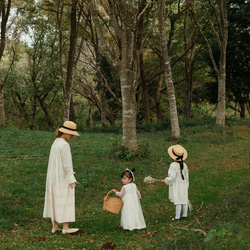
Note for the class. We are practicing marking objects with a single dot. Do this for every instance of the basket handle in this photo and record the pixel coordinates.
(105, 198)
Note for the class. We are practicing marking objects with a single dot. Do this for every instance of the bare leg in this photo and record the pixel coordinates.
(66, 226)
(54, 224)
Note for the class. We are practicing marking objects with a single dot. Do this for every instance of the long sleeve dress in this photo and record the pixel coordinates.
(131, 213)
(178, 188)
(59, 202)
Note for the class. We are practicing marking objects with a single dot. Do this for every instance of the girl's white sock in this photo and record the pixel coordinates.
(177, 211)
(184, 210)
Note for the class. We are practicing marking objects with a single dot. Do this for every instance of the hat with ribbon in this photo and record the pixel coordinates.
(69, 127)
(177, 152)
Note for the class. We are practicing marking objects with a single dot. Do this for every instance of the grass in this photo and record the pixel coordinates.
(218, 161)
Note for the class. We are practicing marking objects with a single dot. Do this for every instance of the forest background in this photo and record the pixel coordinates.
(123, 63)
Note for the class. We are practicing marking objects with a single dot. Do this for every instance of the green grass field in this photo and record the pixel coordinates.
(218, 161)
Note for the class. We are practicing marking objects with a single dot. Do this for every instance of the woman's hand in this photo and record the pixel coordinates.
(72, 185)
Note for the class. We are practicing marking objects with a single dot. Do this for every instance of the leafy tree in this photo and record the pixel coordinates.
(216, 14)
(238, 54)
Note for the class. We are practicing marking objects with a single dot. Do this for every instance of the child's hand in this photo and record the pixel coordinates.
(114, 190)
(163, 181)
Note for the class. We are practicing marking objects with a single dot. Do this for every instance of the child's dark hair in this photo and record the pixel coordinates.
(181, 167)
(128, 173)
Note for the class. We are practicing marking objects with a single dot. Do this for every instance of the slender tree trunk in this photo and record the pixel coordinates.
(189, 58)
(4, 15)
(71, 62)
(158, 98)
(221, 107)
(101, 88)
(242, 110)
(2, 113)
(128, 91)
(221, 72)
(167, 71)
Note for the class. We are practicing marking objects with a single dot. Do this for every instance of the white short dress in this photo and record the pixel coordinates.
(131, 213)
(178, 188)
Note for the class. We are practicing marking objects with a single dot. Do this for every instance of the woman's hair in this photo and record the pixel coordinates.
(128, 174)
(58, 133)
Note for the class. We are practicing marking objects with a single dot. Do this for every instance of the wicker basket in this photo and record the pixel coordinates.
(112, 204)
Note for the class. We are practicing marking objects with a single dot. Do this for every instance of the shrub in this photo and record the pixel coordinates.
(124, 153)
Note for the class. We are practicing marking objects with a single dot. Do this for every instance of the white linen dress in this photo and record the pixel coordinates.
(59, 202)
(131, 213)
(178, 188)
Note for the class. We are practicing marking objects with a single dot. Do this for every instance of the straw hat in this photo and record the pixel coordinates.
(177, 152)
(69, 127)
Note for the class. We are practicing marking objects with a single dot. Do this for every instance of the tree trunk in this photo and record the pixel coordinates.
(221, 73)
(158, 98)
(2, 113)
(189, 61)
(128, 91)
(242, 110)
(167, 71)
(4, 14)
(71, 62)
(221, 107)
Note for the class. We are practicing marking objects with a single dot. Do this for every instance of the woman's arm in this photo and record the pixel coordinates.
(68, 164)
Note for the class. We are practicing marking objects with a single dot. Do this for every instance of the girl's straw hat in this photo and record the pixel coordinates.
(177, 152)
(69, 127)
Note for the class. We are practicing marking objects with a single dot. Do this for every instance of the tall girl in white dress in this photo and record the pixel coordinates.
(131, 213)
(178, 181)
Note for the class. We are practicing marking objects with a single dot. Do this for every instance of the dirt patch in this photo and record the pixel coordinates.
(109, 245)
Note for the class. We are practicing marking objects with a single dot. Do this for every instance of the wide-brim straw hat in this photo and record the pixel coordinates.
(69, 127)
(177, 152)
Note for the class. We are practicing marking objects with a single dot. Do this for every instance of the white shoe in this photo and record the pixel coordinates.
(70, 231)
(54, 230)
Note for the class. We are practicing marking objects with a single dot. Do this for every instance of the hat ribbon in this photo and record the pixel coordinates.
(179, 157)
(68, 128)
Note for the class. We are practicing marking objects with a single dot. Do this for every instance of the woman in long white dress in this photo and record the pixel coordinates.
(59, 202)
(131, 212)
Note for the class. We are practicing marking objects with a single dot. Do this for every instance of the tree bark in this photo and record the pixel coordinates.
(189, 62)
(167, 71)
(71, 62)
(128, 91)
(158, 98)
(4, 14)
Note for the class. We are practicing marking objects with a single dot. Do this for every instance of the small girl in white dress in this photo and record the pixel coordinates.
(131, 213)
